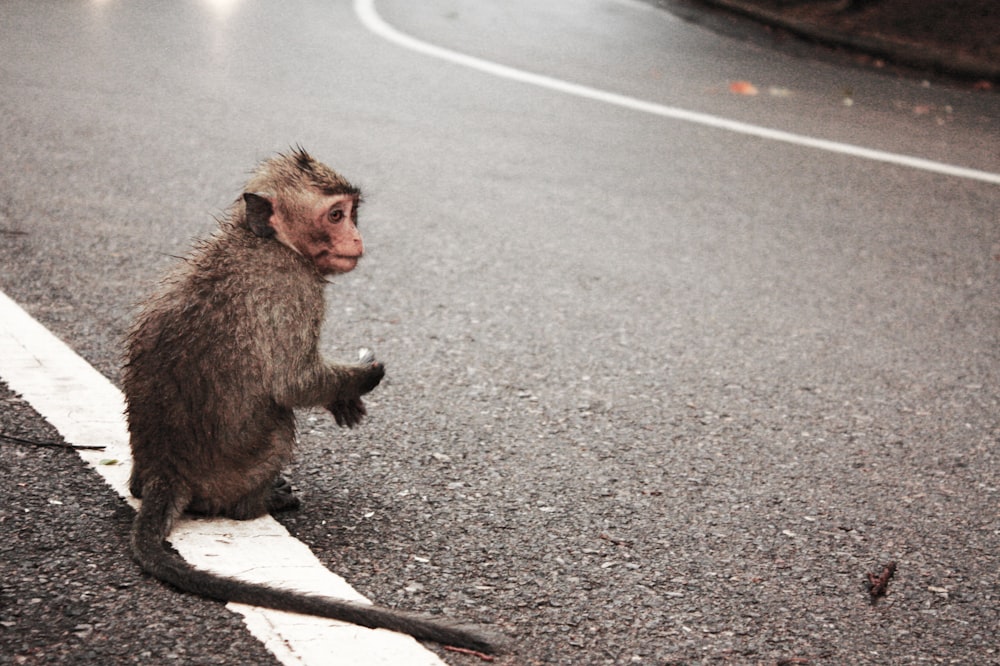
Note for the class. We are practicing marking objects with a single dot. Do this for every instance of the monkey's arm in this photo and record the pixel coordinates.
(323, 384)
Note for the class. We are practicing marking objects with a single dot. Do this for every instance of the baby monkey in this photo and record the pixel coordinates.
(219, 358)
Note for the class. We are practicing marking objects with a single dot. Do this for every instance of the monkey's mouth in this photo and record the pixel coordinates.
(346, 258)
(329, 262)
(325, 255)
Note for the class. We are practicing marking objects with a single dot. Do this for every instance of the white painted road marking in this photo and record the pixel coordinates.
(367, 14)
(88, 410)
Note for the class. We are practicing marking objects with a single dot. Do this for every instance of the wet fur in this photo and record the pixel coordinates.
(216, 362)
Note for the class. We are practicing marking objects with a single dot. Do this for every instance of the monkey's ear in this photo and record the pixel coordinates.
(259, 212)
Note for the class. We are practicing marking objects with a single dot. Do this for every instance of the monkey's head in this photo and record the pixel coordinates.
(308, 207)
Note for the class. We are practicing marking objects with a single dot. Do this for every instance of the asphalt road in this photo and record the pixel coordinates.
(657, 392)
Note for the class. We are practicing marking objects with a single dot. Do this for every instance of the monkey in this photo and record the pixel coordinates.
(215, 363)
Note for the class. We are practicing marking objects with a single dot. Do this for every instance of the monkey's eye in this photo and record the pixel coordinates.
(336, 215)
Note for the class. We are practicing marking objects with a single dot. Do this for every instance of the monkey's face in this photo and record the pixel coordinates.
(324, 229)
(337, 242)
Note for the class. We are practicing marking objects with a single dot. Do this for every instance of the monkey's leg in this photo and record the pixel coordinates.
(271, 497)
(135, 484)
(252, 504)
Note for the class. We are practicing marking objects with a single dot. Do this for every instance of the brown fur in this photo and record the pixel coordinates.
(216, 362)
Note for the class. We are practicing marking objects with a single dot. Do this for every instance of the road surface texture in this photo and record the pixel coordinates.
(658, 391)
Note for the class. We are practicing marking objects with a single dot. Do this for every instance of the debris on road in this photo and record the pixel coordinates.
(878, 585)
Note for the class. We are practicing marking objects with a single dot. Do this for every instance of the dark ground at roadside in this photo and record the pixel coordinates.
(958, 38)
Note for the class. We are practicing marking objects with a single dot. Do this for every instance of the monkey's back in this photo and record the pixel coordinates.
(206, 357)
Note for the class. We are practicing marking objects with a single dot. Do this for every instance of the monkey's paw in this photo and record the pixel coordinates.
(348, 412)
(282, 497)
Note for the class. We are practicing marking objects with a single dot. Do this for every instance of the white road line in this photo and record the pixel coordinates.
(88, 410)
(367, 14)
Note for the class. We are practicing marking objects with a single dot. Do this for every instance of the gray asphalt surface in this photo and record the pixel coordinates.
(657, 393)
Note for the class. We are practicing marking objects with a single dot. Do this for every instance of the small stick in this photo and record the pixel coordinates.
(878, 585)
(460, 650)
(56, 445)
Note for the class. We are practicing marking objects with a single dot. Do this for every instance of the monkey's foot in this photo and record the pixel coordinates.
(282, 497)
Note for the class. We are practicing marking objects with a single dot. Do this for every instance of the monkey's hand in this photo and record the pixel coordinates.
(372, 374)
(372, 371)
(347, 412)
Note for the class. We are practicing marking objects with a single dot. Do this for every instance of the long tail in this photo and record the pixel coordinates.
(161, 506)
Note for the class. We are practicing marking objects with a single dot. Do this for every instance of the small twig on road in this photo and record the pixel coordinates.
(55, 445)
(460, 650)
(879, 585)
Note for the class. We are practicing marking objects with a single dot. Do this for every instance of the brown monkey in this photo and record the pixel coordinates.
(217, 360)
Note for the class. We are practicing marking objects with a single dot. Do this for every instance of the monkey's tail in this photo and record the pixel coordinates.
(161, 506)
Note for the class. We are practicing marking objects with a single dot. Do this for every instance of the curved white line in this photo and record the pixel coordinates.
(369, 17)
